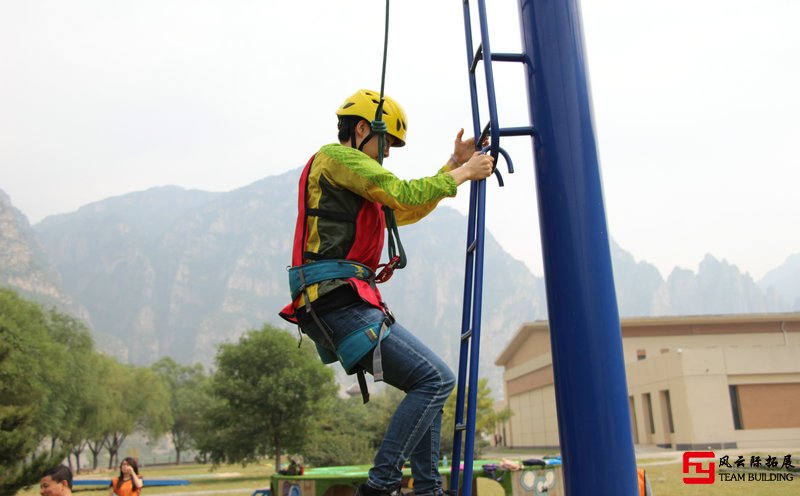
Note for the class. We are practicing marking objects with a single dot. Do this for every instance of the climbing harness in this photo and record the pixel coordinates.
(309, 269)
(359, 342)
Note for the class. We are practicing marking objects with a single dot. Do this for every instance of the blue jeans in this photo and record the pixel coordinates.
(415, 428)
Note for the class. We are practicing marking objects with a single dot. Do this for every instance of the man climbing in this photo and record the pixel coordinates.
(339, 237)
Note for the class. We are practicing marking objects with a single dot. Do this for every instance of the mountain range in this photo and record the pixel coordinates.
(173, 272)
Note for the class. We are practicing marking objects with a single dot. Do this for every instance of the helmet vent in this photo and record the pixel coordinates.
(348, 105)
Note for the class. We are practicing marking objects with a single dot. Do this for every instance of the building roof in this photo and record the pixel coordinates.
(660, 325)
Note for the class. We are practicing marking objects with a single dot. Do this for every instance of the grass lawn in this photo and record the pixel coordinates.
(225, 479)
(667, 480)
(665, 477)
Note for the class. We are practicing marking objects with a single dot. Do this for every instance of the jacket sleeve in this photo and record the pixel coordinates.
(410, 199)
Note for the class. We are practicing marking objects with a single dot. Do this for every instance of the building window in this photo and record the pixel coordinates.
(648, 405)
(667, 402)
(641, 354)
(766, 406)
(736, 407)
(634, 424)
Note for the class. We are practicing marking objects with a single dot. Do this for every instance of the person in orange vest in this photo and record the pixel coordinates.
(644, 483)
(128, 483)
(338, 242)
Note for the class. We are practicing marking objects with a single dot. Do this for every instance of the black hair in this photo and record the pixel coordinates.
(132, 462)
(60, 473)
(347, 128)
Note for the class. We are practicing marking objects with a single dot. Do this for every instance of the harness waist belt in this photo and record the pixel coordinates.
(302, 276)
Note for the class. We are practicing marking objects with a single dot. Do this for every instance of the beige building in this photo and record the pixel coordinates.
(728, 381)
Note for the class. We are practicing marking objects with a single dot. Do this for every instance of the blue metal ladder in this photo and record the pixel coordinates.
(597, 449)
(473, 274)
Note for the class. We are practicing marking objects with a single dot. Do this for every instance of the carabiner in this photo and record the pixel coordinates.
(386, 270)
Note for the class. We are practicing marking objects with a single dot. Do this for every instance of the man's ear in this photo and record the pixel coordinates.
(363, 128)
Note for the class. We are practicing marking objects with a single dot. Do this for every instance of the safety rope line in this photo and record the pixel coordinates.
(397, 255)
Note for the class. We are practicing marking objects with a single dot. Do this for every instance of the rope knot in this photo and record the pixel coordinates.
(379, 127)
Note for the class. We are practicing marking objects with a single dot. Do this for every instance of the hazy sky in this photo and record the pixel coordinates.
(696, 107)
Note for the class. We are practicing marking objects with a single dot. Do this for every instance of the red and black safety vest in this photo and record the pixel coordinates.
(336, 224)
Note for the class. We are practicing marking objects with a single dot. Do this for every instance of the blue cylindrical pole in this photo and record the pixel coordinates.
(589, 370)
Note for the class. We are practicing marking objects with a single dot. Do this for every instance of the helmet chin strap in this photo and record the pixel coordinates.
(353, 136)
(364, 142)
(369, 137)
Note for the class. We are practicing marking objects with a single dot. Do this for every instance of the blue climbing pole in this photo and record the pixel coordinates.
(589, 372)
(586, 340)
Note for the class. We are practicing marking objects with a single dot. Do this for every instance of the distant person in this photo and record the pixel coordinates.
(338, 243)
(128, 483)
(56, 481)
(644, 483)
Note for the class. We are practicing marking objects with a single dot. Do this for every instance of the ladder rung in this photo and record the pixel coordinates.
(466, 335)
(461, 427)
(518, 131)
(477, 58)
(496, 57)
(508, 57)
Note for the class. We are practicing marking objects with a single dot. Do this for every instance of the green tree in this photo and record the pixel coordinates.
(99, 421)
(74, 382)
(340, 434)
(380, 410)
(189, 398)
(86, 408)
(347, 432)
(268, 391)
(139, 402)
(486, 419)
(26, 354)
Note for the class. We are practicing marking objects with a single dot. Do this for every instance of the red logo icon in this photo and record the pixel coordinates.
(702, 474)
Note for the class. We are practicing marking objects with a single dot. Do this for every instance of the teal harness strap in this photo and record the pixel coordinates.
(377, 363)
(302, 276)
(357, 343)
(323, 353)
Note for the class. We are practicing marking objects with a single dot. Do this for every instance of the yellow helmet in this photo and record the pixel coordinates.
(364, 104)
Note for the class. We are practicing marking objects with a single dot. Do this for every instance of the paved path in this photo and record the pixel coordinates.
(218, 491)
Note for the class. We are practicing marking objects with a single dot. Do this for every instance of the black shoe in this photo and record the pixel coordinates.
(366, 490)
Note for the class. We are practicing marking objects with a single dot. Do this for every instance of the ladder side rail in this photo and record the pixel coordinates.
(476, 297)
(472, 392)
(489, 75)
(464, 343)
(473, 85)
(458, 432)
(469, 448)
